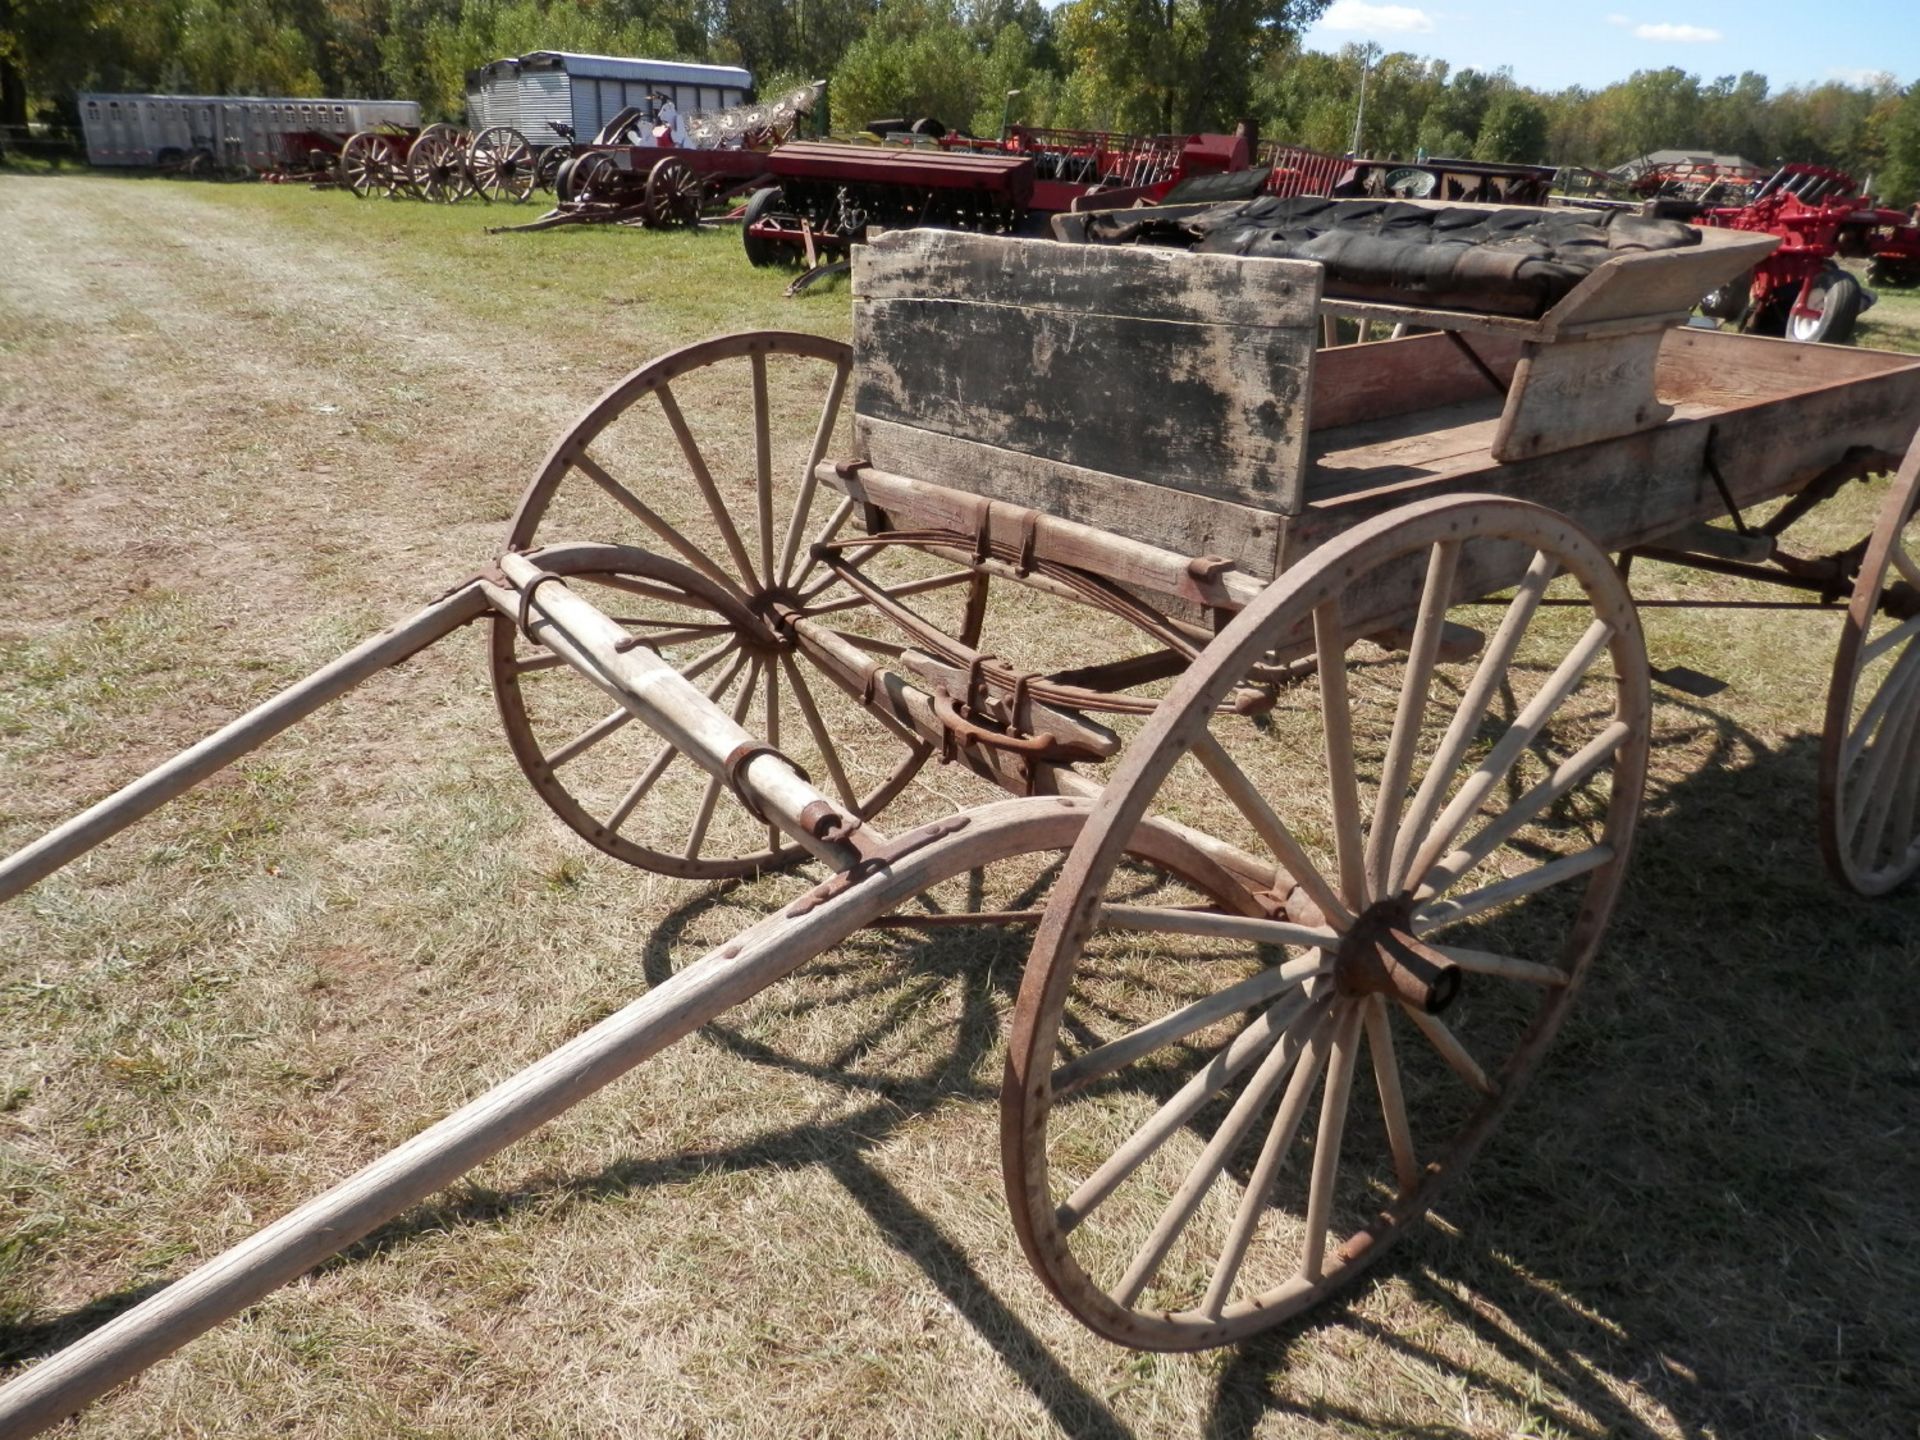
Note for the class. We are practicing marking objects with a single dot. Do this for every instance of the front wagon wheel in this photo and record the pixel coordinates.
(1210, 1122)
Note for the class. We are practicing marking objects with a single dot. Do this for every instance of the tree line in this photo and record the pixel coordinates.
(1150, 66)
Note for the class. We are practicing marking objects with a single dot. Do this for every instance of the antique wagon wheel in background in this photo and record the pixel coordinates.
(1153, 1112)
(1870, 748)
(502, 164)
(704, 457)
(437, 166)
(366, 164)
(673, 193)
(588, 175)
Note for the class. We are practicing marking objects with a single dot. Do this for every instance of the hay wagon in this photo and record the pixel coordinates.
(1325, 753)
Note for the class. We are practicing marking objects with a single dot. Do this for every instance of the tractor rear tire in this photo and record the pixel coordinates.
(760, 252)
(1836, 296)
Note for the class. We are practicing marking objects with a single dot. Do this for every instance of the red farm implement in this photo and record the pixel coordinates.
(1800, 291)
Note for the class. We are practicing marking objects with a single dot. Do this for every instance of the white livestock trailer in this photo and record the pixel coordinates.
(531, 92)
(230, 131)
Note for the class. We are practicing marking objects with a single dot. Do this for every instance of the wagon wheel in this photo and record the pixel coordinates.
(673, 193)
(366, 164)
(702, 457)
(436, 165)
(1870, 751)
(503, 164)
(588, 173)
(1152, 1145)
(546, 169)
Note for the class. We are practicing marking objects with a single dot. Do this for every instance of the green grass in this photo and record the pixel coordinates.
(247, 425)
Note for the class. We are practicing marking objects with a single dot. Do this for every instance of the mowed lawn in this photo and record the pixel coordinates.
(241, 427)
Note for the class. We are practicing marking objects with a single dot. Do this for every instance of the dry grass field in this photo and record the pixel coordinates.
(243, 427)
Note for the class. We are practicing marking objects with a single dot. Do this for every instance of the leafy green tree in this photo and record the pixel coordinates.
(1514, 130)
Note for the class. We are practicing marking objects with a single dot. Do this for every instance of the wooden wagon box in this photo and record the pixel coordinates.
(1179, 400)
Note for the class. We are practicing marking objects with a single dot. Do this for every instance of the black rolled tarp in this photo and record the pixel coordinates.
(1514, 261)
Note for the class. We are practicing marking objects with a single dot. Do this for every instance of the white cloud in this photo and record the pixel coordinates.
(1358, 15)
(1685, 34)
(1618, 19)
(1864, 76)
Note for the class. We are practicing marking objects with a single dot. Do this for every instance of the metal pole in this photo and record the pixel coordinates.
(112, 815)
(1366, 64)
(1006, 115)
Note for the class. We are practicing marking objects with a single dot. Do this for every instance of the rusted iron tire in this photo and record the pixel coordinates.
(1870, 748)
(671, 461)
(1138, 1071)
(502, 164)
(674, 193)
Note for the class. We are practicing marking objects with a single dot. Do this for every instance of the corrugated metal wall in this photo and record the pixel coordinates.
(135, 129)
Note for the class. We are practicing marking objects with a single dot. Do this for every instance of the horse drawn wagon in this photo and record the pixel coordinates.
(1339, 716)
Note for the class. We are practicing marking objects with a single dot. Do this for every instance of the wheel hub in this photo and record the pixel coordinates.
(775, 608)
(1381, 956)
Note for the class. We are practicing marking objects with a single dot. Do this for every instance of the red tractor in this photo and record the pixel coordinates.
(1801, 291)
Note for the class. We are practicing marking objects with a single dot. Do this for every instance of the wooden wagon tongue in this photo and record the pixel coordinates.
(764, 780)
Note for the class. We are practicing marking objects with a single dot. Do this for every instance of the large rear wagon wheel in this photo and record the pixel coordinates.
(502, 164)
(705, 459)
(365, 166)
(673, 193)
(1172, 1176)
(1870, 749)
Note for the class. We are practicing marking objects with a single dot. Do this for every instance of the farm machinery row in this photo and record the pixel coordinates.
(1820, 217)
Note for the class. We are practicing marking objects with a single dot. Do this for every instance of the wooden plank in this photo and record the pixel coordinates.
(1124, 558)
(1354, 383)
(1185, 371)
(1142, 281)
(1731, 368)
(1654, 282)
(1573, 391)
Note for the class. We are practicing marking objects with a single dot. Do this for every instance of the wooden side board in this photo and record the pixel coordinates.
(1191, 373)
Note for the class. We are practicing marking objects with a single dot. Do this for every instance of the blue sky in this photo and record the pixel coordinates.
(1557, 43)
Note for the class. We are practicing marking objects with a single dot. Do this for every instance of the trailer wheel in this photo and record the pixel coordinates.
(503, 164)
(1870, 746)
(582, 176)
(168, 157)
(760, 252)
(546, 170)
(1429, 817)
(673, 193)
(701, 464)
(1828, 315)
(1728, 304)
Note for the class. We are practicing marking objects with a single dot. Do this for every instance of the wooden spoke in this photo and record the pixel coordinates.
(1529, 882)
(1336, 718)
(685, 633)
(1504, 967)
(665, 594)
(1104, 1060)
(1892, 640)
(1442, 563)
(525, 665)
(1451, 1050)
(688, 551)
(1876, 790)
(816, 726)
(1205, 1170)
(822, 438)
(1487, 676)
(657, 766)
(1569, 773)
(703, 477)
(771, 674)
(1271, 829)
(836, 522)
(697, 836)
(1212, 923)
(1903, 562)
(763, 464)
(1273, 1153)
(1283, 1025)
(1326, 1145)
(1393, 1100)
(590, 737)
(1895, 690)
(895, 592)
(1523, 732)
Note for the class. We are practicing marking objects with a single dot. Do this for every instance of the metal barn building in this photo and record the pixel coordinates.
(245, 130)
(586, 91)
